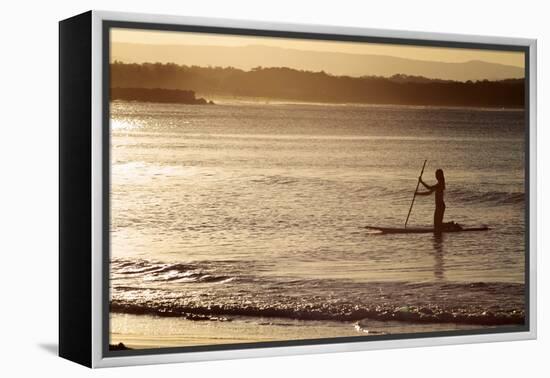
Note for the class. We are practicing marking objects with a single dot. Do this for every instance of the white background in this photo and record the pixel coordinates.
(29, 190)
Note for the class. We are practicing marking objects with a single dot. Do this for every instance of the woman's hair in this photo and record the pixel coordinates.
(440, 177)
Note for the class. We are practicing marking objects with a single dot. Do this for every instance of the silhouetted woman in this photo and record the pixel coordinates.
(438, 188)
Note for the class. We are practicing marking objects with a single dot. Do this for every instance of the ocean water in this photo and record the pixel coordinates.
(258, 211)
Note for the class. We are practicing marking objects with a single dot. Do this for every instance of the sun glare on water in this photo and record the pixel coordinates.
(123, 125)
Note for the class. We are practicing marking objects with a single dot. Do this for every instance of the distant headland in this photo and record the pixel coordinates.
(141, 82)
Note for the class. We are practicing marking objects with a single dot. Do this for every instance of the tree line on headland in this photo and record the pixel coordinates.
(296, 85)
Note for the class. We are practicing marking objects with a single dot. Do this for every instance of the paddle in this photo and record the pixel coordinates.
(414, 196)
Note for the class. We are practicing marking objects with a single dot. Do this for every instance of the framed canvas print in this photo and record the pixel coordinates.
(233, 189)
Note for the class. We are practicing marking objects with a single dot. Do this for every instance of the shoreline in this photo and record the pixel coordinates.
(149, 331)
(223, 100)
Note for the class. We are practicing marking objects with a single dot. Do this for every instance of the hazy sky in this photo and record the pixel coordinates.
(411, 52)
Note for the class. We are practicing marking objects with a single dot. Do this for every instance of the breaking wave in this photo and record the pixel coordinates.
(186, 290)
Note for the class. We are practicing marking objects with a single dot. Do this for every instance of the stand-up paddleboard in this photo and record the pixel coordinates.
(423, 230)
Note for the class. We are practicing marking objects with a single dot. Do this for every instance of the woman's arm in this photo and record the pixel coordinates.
(424, 193)
(431, 188)
(423, 183)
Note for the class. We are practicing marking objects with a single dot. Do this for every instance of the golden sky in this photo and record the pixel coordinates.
(411, 52)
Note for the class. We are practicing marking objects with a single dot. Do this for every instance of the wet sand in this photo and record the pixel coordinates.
(145, 332)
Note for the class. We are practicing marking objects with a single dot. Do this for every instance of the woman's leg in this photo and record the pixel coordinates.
(438, 218)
